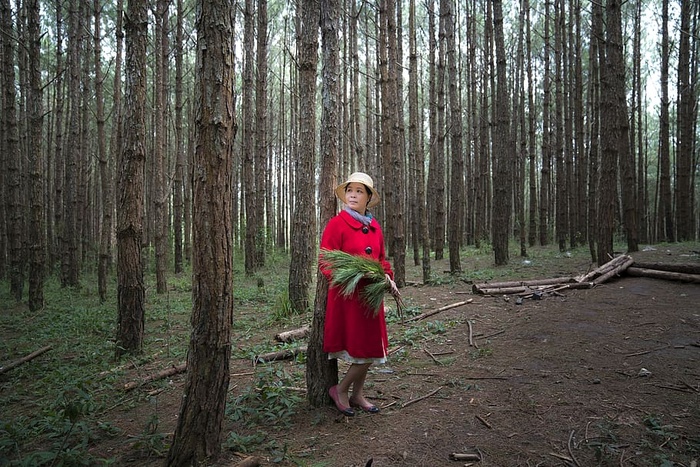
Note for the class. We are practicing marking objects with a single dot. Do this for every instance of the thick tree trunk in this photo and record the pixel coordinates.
(322, 373)
(131, 294)
(198, 435)
(304, 217)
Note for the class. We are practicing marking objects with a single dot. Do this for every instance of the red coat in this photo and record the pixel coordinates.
(350, 324)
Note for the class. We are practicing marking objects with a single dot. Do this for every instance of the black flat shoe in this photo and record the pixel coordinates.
(367, 408)
(347, 411)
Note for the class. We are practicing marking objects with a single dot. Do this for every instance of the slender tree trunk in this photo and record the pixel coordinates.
(503, 150)
(71, 181)
(198, 436)
(11, 148)
(261, 131)
(532, 151)
(248, 143)
(178, 179)
(160, 183)
(131, 294)
(105, 254)
(687, 100)
(546, 170)
(457, 158)
(595, 58)
(36, 231)
(322, 373)
(415, 148)
(666, 228)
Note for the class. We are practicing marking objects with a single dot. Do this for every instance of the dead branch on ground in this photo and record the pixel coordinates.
(173, 370)
(439, 310)
(25, 359)
(418, 399)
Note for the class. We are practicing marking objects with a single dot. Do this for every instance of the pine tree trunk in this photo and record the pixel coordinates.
(178, 179)
(261, 131)
(456, 225)
(131, 293)
(322, 373)
(304, 217)
(198, 435)
(12, 157)
(248, 143)
(36, 231)
(503, 169)
(666, 228)
(160, 184)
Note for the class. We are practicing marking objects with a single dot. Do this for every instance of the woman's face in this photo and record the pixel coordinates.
(356, 197)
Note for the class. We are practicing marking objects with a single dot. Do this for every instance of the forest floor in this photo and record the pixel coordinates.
(606, 376)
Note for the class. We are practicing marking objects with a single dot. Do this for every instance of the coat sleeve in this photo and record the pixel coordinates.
(382, 257)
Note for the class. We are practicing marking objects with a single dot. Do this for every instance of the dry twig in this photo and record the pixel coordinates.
(418, 399)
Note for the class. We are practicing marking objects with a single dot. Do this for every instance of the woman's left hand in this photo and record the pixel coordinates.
(394, 290)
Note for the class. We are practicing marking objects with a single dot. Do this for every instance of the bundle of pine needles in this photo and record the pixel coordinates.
(348, 270)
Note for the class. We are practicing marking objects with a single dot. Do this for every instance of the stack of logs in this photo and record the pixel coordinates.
(613, 268)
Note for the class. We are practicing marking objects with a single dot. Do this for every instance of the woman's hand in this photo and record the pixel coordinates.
(392, 286)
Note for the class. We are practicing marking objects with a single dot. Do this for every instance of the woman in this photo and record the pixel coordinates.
(352, 331)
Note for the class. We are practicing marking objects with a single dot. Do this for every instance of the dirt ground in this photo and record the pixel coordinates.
(604, 376)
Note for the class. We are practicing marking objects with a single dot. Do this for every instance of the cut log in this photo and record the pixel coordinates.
(616, 271)
(667, 275)
(173, 370)
(25, 359)
(294, 334)
(527, 283)
(613, 264)
(439, 310)
(670, 267)
(501, 290)
(286, 354)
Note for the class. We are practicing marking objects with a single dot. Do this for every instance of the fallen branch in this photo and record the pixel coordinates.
(484, 421)
(471, 336)
(571, 451)
(437, 362)
(294, 334)
(173, 370)
(645, 352)
(286, 354)
(23, 360)
(418, 399)
(439, 310)
(465, 456)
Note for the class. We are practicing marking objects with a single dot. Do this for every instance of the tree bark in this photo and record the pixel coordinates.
(304, 217)
(36, 230)
(503, 148)
(322, 373)
(198, 435)
(455, 232)
(131, 293)
(12, 176)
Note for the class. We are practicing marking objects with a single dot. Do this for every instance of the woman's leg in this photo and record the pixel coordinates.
(354, 377)
(358, 384)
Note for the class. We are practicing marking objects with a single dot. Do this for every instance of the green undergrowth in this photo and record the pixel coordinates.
(57, 407)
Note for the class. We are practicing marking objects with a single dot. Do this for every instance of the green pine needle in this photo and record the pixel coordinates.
(348, 270)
